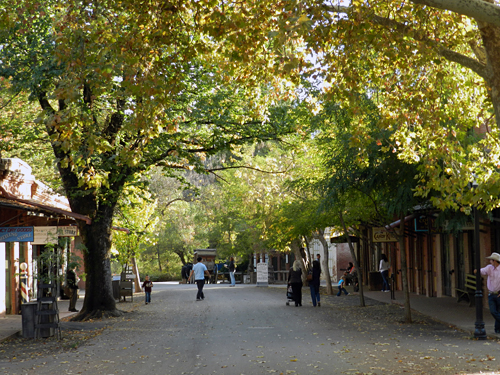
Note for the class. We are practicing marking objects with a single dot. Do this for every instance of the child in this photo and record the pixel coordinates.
(146, 286)
(341, 287)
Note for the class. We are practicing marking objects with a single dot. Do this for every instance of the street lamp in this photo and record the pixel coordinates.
(479, 332)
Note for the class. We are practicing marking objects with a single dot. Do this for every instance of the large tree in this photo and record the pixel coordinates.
(433, 67)
(126, 85)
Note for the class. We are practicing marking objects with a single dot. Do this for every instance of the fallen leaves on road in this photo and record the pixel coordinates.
(18, 349)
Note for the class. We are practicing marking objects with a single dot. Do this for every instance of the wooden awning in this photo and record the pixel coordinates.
(28, 205)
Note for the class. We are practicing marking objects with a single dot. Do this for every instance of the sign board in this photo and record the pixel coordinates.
(382, 235)
(44, 235)
(422, 224)
(67, 231)
(262, 274)
(16, 234)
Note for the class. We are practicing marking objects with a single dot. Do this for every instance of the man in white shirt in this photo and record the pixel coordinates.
(493, 283)
(199, 270)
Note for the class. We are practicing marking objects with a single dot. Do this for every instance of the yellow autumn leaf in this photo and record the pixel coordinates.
(303, 18)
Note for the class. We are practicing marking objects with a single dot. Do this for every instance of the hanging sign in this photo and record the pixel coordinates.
(16, 234)
(382, 235)
(67, 231)
(422, 224)
(45, 235)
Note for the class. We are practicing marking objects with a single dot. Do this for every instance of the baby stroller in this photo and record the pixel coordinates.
(289, 294)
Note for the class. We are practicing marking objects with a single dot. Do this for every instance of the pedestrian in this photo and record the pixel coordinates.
(295, 281)
(351, 277)
(314, 283)
(318, 258)
(350, 268)
(350, 273)
(200, 271)
(146, 286)
(184, 273)
(189, 267)
(493, 284)
(342, 287)
(232, 269)
(72, 283)
(384, 270)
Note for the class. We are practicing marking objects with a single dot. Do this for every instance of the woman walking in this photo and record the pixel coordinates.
(384, 270)
(295, 281)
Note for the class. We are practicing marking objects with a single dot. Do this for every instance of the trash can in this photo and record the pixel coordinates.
(116, 287)
(375, 281)
(28, 311)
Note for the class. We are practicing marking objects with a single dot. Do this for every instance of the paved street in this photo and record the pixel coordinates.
(250, 330)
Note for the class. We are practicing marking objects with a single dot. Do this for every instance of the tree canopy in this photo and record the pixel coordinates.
(124, 86)
(432, 67)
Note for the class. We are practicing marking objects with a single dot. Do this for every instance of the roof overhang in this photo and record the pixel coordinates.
(28, 205)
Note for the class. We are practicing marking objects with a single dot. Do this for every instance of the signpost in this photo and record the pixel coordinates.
(262, 274)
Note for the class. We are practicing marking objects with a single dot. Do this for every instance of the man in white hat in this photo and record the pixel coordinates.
(493, 283)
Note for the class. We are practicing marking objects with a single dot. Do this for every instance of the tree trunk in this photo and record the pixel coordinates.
(135, 270)
(356, 264)
(159, 260)
(404, 269)
(308, 259)
(321, 238)
(491, 42)
(96, 237)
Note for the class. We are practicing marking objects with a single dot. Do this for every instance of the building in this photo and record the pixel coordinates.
(438, 258)
(31, 216)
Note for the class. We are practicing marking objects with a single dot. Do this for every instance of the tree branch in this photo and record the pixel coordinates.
(463, 60)
(10, 100)
(219, 177)
(480, 10)
(244, 166)
(476, 66)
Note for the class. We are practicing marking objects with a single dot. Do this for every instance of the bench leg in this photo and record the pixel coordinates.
(472, 300)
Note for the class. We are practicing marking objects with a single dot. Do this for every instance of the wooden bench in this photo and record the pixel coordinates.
(469, 290)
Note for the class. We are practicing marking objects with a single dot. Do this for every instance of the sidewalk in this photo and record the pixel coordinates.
(11, 325)
(443, 309)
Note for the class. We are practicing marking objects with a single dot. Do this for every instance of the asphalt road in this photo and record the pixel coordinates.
(250, 330)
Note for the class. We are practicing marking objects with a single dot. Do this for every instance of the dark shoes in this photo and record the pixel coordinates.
(73, 310)
(319, 304)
